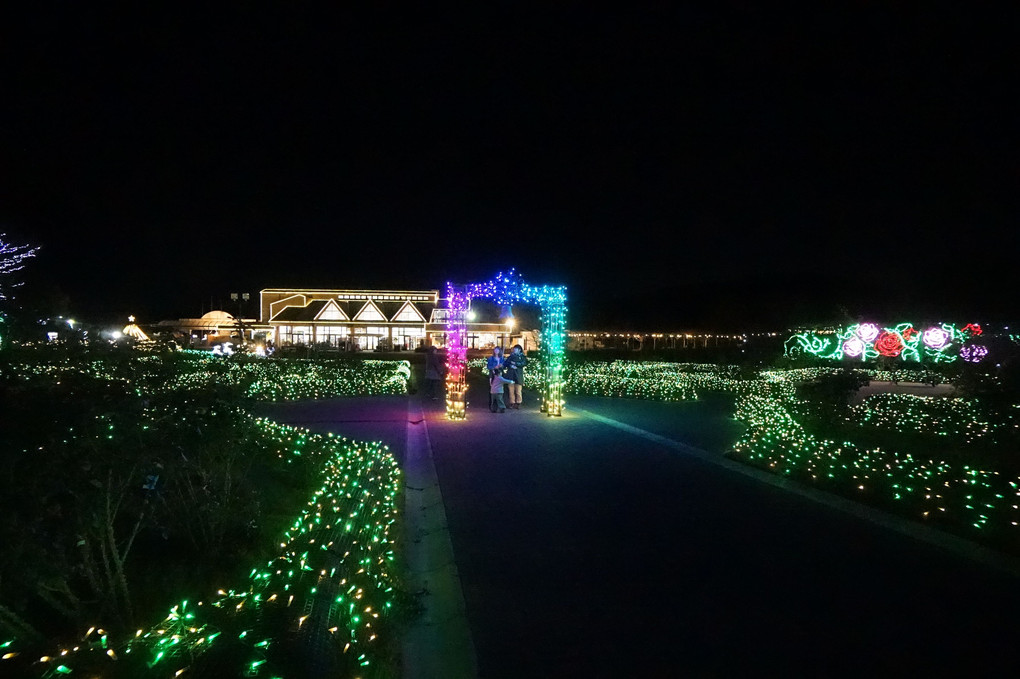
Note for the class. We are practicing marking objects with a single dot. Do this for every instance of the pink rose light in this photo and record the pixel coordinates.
(935, 338)
(853, 347)
(867, 332)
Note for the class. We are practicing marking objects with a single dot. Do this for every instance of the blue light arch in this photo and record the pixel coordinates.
(505, 289)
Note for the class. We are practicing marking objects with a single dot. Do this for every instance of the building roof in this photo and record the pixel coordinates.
(220, 316)
(426, 309)
(304, 314)
(388, 308)
(209, 323)
(368, 293)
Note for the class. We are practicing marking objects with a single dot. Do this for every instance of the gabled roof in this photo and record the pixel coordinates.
(306, 314)
(281, 304)
(370, 312)
(332, 312)
(408, 313)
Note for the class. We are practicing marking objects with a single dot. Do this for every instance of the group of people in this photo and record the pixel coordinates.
(506, 370)
(503, 370)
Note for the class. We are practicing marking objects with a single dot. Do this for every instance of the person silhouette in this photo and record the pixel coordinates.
(514, 370)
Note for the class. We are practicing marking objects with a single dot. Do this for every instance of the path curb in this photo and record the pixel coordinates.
(438, 645)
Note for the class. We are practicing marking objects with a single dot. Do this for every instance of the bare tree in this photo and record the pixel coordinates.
(12, 259)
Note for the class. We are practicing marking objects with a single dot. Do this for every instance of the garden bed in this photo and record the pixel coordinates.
(135, 482)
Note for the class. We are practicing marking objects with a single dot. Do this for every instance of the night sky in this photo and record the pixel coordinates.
(673, 168)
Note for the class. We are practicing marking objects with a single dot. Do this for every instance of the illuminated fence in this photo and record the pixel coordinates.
(324, 379)
(262, 379)
(647, 379)
(632, 380)
(661, 380)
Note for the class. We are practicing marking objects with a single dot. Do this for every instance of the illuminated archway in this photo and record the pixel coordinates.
(506, 289)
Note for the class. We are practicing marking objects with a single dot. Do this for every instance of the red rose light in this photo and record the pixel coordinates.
(889, 344)
(908, 334)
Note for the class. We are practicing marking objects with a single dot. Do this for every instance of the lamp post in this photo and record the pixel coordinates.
(241, 304)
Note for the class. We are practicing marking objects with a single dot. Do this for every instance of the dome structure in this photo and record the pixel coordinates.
(221, 316)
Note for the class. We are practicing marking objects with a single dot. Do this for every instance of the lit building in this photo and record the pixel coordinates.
(404, 320)
(212, 328)
(378, 320)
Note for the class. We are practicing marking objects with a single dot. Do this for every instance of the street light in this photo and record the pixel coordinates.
(241, 299)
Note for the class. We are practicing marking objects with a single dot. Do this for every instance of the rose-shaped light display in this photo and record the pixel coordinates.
(853, 347)
(867, 332)
(936, 338)
(973, 353)
(889, 344)
(909, 334)
(974, 329)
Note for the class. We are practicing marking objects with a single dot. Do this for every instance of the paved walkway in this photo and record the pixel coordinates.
(616, 541)
(912, 388)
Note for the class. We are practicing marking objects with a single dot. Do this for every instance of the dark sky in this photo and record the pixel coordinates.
(671, 167)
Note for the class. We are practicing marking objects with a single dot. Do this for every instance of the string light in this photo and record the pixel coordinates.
(973, 353)
(339, 549)
(506, 289)
(943, 343)
(12, 259)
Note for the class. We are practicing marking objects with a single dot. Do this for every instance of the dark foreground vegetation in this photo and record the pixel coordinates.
(131, 482)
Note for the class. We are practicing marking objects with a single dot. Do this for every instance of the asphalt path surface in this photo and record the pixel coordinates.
(589, 550)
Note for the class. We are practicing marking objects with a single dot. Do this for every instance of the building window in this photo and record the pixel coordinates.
(408, 338)
(334, 335)
(301, 334)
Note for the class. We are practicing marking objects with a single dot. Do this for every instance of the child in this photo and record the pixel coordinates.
(496, 382)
